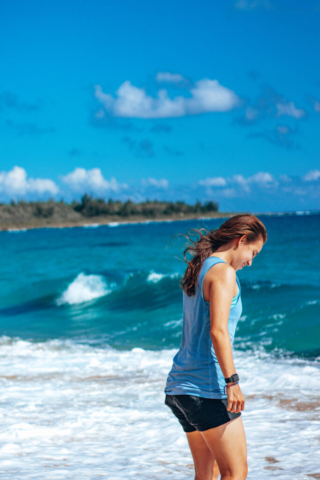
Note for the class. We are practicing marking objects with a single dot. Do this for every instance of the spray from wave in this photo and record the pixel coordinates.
(83, 289)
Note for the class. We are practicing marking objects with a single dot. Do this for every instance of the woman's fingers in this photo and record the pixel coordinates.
(235, 406)
(236, 400)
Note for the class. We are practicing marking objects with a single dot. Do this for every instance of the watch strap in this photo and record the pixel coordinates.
(233, 378)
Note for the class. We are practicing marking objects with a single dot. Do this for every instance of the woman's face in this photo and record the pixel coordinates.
(246, 252)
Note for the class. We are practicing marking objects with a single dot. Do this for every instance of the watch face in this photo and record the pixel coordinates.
(233, 378)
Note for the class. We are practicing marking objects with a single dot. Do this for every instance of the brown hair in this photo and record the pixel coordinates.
(208, 243)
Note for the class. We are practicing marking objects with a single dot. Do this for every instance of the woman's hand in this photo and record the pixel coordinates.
(236, 400)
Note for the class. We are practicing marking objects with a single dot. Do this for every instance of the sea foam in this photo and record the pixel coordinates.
(154, 277)
(75, 411)
(83, 289)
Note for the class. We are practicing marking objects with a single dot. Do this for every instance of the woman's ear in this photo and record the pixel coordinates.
(242, 240)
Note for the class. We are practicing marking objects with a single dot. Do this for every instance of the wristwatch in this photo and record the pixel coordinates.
(233, 378)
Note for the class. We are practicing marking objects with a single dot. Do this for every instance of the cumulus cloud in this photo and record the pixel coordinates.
(81, 180)
(312, 176)
(239, 192)
(233, 193)
(206, 96)
(289, 108)
(262, 178)
(168, 77)
(153, 182)
(238, 183)
(213, 182)
(16, 183)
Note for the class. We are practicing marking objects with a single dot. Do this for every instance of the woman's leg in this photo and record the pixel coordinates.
(205, 465)
(228, 445)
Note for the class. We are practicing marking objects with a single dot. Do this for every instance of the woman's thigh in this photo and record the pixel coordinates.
(228, 445)
(205, 464)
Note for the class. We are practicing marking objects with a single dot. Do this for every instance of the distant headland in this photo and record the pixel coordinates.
(98, 211)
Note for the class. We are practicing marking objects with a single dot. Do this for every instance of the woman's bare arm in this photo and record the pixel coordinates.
(221, 289)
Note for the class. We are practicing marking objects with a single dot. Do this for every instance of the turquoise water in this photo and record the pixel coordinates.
(90, 319)
(119, 286)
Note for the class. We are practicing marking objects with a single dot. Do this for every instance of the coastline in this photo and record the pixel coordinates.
(107, 220)
(115, 220)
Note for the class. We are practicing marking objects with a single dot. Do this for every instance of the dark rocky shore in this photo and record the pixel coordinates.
(91, 211)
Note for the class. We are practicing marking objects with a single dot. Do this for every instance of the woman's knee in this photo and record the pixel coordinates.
(241, 473)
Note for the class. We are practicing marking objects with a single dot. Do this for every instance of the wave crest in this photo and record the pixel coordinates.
(83, 289)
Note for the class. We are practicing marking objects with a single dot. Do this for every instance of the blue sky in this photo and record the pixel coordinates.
(162, 100)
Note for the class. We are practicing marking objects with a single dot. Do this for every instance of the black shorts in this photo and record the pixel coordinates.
(198, 413)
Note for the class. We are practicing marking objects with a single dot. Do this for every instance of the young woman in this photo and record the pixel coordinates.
(202, 388)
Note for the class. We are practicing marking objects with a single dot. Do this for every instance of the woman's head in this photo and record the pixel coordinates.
(241, 238)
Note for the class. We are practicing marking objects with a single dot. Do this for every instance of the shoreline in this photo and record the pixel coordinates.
(94, 222)
(91, 222)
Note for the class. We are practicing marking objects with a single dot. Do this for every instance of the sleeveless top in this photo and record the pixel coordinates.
(195, 369)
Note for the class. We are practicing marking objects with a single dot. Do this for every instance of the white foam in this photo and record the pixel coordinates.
(154, 277)
(83, 289)
(74, 411)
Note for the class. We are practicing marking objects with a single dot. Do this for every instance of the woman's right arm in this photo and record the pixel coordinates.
(221, 290)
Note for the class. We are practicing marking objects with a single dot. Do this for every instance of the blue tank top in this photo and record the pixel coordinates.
(195, 369)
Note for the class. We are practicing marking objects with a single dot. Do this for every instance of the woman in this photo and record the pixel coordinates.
(202, 388)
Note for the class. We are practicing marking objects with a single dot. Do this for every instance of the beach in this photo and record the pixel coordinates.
(90, 321)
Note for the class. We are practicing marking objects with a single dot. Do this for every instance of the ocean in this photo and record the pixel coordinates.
(90, 320)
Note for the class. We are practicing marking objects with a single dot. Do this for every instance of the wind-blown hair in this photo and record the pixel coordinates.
(211, 240)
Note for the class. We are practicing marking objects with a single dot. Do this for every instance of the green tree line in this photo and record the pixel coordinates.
(89, 206)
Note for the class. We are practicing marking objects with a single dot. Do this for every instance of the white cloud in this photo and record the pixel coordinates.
(81, 179)
(207, 96)
(262, 178)
(288, 108)
(239, 179)
(213, 182)
(312, 175)
(153, 182)
(16, 182)
(170, 77)
(242, 181)
(229, 192)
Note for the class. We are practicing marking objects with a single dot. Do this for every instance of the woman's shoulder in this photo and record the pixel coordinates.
(221, 273)
(221, 270)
